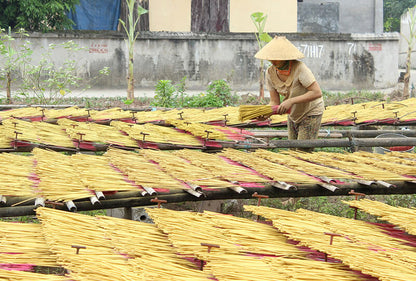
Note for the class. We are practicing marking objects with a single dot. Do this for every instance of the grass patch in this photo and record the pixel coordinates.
(330, 98)
(100, 212)
(33, 219)
(335, 98)
(50, 270)
(23, 219)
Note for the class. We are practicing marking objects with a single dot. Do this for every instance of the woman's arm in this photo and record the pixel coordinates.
(274, 97)
(314, 92)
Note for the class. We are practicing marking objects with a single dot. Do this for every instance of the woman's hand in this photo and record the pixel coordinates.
(284, 107)
(275, 108)
(314, 92)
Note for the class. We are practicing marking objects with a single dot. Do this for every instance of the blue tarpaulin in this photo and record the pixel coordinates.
(96, 15)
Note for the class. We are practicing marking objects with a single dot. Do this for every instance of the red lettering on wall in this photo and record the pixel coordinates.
(101, 48)
(375, 47)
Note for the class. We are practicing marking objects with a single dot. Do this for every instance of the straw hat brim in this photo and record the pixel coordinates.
(279, 48)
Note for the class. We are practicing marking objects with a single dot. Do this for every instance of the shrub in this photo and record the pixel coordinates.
(37, 15)
(50, 81)
(220, 89)
(204, 100)
(165, 94)
(169, 95)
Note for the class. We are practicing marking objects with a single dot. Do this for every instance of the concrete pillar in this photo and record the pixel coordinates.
(128, 213)
(136, 213)
(211, 205)
(378, 16)
(366, 127)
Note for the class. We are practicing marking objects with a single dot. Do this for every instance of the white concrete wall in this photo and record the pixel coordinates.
(339, 61)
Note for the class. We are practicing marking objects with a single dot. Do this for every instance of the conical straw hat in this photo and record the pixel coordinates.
(279, 49)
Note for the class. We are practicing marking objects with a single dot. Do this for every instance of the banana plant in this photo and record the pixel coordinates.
(130, 29)
(411, 41)
(259, 20)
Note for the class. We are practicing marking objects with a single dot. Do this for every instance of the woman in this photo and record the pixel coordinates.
(294, 81)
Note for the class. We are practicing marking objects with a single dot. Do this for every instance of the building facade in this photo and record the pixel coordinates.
(340, 16)
(285, 16)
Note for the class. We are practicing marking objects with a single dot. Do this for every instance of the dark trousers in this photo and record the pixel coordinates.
(307, 129)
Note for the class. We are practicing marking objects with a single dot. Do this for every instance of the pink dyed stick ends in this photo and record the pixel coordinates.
(276, 107)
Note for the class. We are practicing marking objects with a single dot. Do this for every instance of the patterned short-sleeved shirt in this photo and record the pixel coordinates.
(299, 79)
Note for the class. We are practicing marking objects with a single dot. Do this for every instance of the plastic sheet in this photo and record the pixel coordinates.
(96, 15)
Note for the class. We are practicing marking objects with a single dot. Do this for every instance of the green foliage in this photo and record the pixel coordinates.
(181, 95)
(22, 219)
(169, 95)
(412, 29)
(128, 102)
(48, 81)
(259, 19)
(181, 86)
(165, 94)
(352, 96)
(130, 29)
(410, 44)
(393, 10)
(331, 149)
(87, 102)
(94, 213)
(204, 100)
(13, 56)
(222, 91)
(8, 12)
(49, 270)
(400, 200)
(218, 94)
(36, 15)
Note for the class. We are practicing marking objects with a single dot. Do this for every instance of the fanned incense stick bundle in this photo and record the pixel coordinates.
(250, 112)
(399, 216)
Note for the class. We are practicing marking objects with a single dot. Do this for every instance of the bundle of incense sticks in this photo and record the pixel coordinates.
(250, 112)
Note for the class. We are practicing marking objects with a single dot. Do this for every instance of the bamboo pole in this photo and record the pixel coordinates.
(307, 190)
(336, 133)
(350, 143)
(284, 133)
(353, 142)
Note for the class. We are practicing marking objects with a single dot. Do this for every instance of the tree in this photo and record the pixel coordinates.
(43, 78)
(411, 40)
(259, 20)
(393, 10)
(12, 57)
(36, 15)
(131, 39)
(49, 81)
